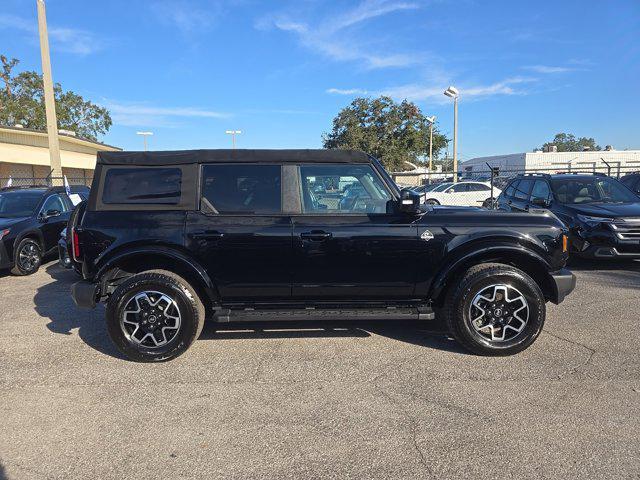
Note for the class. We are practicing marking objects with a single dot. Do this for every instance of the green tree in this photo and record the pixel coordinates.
(22, 102)
(567, 142)
(392, 132)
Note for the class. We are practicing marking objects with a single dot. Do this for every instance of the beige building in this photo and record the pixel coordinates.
(24, 154)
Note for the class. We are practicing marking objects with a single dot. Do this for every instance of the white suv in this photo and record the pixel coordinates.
(475, 194)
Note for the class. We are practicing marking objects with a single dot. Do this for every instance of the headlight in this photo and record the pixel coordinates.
(4, 233)
(594, 221)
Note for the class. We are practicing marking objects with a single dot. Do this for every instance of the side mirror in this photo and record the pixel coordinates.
(541, 202)
(409, 201)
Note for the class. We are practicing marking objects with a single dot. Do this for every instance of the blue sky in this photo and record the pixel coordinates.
(280, 70)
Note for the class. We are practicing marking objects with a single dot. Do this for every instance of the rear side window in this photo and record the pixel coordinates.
(511, 189)
(242, 189)
(155, 186)
(523, 189)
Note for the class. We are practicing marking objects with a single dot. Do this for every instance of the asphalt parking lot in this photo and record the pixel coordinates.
(326, 400)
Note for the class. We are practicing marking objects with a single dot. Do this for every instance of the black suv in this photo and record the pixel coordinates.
(31, 219)
(603, 216)
(169, 238)
(632, 181)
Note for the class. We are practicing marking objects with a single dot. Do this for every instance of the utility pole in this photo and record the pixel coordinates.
(49, 99)
(233, 134)
(452, 92)
(431, 121)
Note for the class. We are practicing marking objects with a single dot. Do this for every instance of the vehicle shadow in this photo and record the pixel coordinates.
(585, 265)
(3, 472)
(53, 301)
(430, 335)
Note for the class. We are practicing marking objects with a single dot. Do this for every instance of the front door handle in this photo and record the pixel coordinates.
(206, 235)
(316, 235)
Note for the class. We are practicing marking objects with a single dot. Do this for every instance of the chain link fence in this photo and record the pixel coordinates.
(42, 182)
(477, 186)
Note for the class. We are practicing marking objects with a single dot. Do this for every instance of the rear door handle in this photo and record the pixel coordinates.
(316, 235)
(206, 235)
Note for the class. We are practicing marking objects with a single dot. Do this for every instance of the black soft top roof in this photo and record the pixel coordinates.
(181, 157)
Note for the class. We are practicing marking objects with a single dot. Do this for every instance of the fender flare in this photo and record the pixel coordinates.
(478, 252)
(167, 252)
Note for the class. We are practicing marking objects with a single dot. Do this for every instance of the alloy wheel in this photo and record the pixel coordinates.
(499, 313)
(150, 319)
(29, 257)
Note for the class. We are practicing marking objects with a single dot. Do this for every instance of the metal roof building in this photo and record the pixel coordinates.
(607, 161)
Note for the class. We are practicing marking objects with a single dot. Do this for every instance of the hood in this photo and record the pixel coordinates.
(6, 222)
(609, 210)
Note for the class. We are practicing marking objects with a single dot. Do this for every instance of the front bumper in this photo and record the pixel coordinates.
(603, 243)
(564, 282)
(85, 294)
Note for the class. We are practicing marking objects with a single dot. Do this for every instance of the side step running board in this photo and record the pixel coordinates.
(269, 315)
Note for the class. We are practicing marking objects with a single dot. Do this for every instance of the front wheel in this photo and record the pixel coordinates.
(28, 257)
(432, 201)
(495, 309)
(154, 316)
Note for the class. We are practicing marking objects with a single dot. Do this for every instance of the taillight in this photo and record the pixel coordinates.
(75, 244)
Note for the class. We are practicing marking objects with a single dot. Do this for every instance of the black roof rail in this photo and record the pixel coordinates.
(533, 174)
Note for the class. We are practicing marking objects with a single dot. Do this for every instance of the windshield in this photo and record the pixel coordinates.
(442, 187)
(591, 190)
(18, 203)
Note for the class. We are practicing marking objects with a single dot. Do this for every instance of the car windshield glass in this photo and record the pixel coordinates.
(591, 190)
(18, 203)
(442, 187)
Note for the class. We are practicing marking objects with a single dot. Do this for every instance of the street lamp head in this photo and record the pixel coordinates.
(431, 119)
(233, 132)
(144, 133)
(451, 92)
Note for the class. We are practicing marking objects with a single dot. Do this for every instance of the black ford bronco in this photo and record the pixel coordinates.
(168, 239)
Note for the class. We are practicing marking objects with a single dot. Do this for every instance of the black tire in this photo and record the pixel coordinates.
(190, 311)
(27, 257)
(458, 310)
(432, 201)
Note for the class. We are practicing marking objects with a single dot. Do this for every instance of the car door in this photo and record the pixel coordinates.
(241, 234)
(540, 195)
(351, 251)
(520, 199)
(52, 225)
(457, 194)
(478, 193)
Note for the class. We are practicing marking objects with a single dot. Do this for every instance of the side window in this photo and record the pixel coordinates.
(459, 188)
(511, 189)
(478, 187)
(540, 190)
(54, 202)
(242, 189)
(336, 189)
(523, 189)
(157, 186)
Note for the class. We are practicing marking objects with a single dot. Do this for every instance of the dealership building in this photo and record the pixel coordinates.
(24, 155)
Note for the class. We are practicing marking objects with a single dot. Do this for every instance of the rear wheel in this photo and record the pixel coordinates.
(154, 316)
(495, 309)
(432, 201)
(28, 257)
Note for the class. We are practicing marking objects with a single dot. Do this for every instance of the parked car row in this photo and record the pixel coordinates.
(31, 219)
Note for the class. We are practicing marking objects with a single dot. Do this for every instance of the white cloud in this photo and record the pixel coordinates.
(143, 114)
(348, 91)
(332, 38)
(548, 69)
(434, 93)
(63, 39)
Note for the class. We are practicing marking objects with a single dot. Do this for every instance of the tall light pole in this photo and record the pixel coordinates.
(431, 120)
(145, 135)
(452, 92)
(49, 99)
(233, 134)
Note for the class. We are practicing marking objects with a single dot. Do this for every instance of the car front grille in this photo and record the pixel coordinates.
(627, 228)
